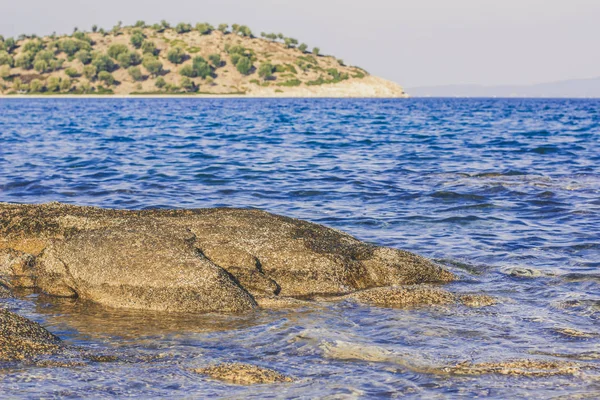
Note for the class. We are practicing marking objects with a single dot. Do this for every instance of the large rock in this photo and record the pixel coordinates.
(196, 260)
(149, 266)
(22, 339)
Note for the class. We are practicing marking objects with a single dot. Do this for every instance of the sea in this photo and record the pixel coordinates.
(503, 192)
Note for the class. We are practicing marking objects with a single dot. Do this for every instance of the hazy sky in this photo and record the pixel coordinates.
(416, 42)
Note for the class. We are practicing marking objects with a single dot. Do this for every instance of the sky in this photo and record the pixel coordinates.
(414, 43)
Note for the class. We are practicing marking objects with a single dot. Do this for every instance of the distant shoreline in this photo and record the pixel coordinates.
(186, 96)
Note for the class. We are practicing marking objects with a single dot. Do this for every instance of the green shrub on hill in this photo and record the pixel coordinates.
(65, 85)
(183, 28)
(244, 31)
(82, 37)
(41, 66)
(4, 72)
(244, 65)
(129, 58)
(303, 47)
(176, 55)
(53, 84)
(316, 51)
(115, 50)
(265, 70)
(72, 46)
(187, 70)
(135, 73)
(6, 59)
(215, 60)
(90, 71)
(102, 62)
(188, 85)
(290, 42)
(44, 55)
(201, 67)
(149, 47)
(35, 86)
(204, 28)
(24, 60)
(71, 72)
(33, 46)
(152, 65)
(84, 56)
(290, 83)
(9, 45)
(137, 39)
(160, 82)
(106, 77)
(223, 28)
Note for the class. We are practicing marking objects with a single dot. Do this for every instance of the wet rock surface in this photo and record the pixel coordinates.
(193, 260)
(243, 374)
(22, 339)
(417, 295)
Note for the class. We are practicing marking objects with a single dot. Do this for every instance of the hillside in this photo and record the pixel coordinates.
(182, 59)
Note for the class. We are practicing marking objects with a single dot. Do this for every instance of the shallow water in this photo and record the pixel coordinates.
(506, 193)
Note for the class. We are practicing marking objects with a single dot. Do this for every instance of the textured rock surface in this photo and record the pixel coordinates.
(416, 295)
(150, 266)
(243, 374)
(22, 339)
(4, 292)
(517, 367)
(193, 260)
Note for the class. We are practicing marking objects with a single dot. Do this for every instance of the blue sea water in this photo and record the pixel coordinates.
(504, 192)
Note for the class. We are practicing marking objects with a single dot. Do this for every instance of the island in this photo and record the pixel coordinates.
(185, 59)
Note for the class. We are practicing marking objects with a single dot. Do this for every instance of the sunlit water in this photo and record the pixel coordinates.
(483, 186)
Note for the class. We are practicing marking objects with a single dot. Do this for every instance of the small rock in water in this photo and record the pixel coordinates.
(533, 368)
(570, 332)
(477, 300)
(524, 272)
(403, 296)
(417, 295)
(243, 374)
(22, 339)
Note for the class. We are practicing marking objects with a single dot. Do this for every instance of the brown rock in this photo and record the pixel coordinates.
(22, 339)
(16, 268)
(243, 374)
(5, 292)
(149, 266)
(535, 368)
(416, 295)
(403, 296)
(197, 260)
(477, 300)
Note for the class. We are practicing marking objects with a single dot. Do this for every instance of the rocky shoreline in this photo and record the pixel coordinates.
(198, 261)
(212, 261)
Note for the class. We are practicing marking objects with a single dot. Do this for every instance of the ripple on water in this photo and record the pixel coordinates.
(503, 192)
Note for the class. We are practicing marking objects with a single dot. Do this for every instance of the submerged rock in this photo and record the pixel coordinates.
(526, 367)
(243, 374)
(340, 350)
(22, 339)
(194, 260)
(417, 295)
